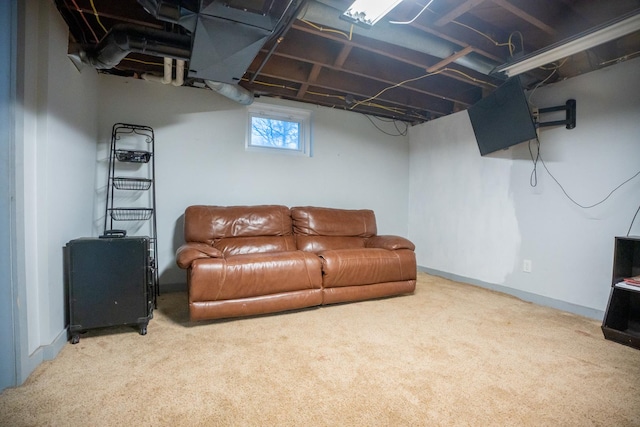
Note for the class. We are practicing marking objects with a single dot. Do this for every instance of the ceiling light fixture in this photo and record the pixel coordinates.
(367, 12)
(611, 30)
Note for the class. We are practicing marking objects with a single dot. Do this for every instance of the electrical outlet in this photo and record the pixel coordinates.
(526, 266)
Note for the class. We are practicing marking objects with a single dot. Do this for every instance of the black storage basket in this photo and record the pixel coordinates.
(130, 214)
(131, 183)
(133, 156)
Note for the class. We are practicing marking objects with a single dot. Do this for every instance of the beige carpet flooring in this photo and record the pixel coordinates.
(451, 354)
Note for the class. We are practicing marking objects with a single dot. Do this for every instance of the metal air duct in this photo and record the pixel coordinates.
(234, 92)
(123, 39)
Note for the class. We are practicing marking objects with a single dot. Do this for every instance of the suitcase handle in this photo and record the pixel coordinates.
(113, 233)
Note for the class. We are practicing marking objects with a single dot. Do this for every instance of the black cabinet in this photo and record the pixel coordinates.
(622, 319)
(109, 283)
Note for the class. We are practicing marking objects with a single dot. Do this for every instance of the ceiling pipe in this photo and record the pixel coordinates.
(184, 13)
(181, 12)
(124, 39)
(234, 92)
(179, 80)
(167, 78)
(327, 14)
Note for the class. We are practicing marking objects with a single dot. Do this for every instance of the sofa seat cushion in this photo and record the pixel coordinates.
(351, 267)
(317, 244)
(251, 275)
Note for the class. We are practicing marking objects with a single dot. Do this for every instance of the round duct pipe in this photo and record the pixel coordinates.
(234, 92)
(123, 39)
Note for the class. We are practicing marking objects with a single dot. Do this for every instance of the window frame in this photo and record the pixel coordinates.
(288, 114)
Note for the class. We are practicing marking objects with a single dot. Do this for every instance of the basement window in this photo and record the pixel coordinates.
(281, 129)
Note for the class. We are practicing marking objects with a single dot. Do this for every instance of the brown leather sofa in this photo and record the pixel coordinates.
(248, 260)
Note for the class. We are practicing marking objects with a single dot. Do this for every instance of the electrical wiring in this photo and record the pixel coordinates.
(533, 179)
(85, 20)
(511, 44)
(329, 30)
(556, 67)
(373, 105)
(486, 36)
(571, 198)
(143, 62)
(400, 132)
(621, 58)
(543, 82)
(414, 18)
(632, 221)
(402, 83)
(95, 12)
(327, 95)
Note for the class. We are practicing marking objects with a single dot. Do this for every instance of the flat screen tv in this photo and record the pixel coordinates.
(503, 118)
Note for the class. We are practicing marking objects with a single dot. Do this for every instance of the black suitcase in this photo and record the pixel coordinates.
(109, 283)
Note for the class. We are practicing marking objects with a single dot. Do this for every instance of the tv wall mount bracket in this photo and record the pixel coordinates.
(570, 118)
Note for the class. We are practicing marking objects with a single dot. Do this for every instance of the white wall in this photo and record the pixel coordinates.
(478, 217)
(56, 118)
(201, 159)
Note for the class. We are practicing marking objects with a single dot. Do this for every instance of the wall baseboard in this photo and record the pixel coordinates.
(41, 354)
(580, 310)
(173, 287)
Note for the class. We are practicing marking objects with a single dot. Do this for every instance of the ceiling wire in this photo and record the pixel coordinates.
(414, 18)
(395, 110)
(400, 132)
(511, 48)
(402, 83)
(329, 30)
(143, 62)
(632, 221)
(556, 67)
(95, 12)
(621, 58)
(85, 20)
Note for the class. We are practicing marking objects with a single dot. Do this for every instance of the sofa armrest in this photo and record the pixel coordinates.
(189, 252)
(391, 243)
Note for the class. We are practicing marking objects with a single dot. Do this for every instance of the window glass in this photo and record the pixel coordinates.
(278, 128)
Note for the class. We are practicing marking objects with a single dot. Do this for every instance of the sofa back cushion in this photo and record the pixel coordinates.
(240, 229)
(318, 229)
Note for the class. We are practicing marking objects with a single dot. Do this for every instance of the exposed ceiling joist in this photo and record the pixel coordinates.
(438, 64)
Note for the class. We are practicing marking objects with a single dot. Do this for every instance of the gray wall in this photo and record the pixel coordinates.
(53, 178)
(478, 218)
(201, 159)
(8, 22)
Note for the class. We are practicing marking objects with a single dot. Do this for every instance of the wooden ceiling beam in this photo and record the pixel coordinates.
(525, 16)
(342, 57)
(334, 81)
(456, 12)
(391, 112)
(379, 71)
(117, 16)
(313, 76)
(417, 59)
(446, 61)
